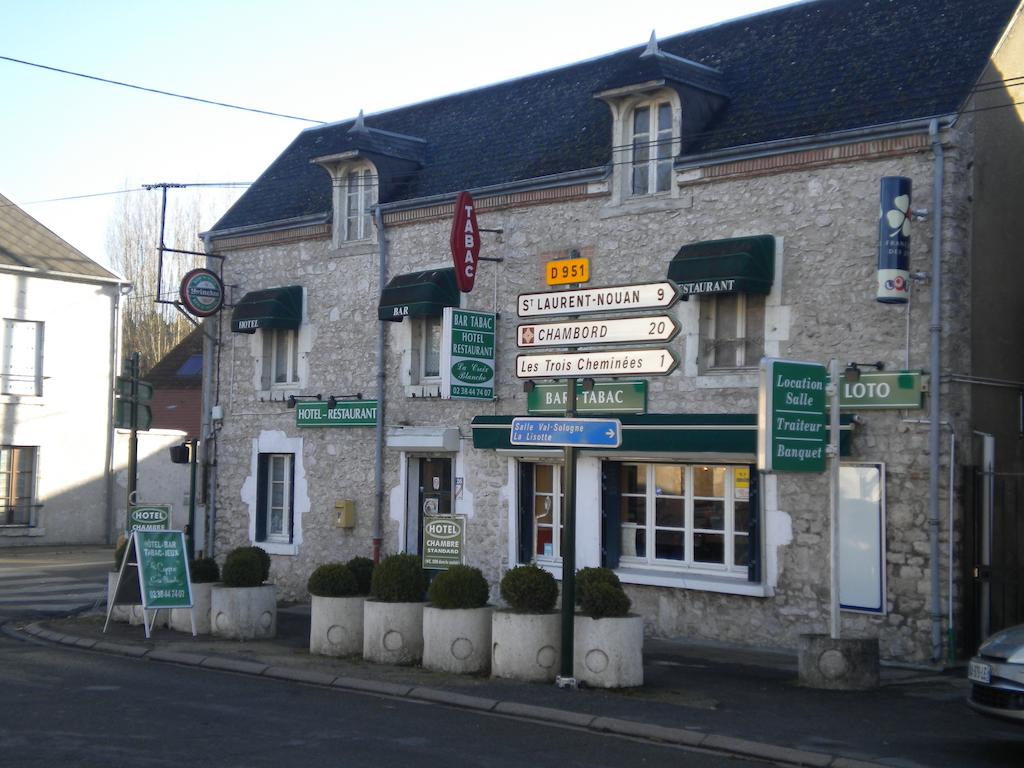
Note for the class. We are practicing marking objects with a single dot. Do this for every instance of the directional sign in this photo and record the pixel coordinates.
(579, 433)
(618, 331)
(617, 362)
(612, 298)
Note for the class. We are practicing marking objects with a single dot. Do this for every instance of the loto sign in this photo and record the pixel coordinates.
(465, 242)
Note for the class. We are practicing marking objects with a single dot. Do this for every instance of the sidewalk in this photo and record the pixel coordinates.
(723, 698)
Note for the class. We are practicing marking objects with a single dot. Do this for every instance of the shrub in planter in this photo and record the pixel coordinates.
(362, 569)
(457, 623)
(398, 579)
(246, 567)
(599, 593)
(529, 589)
(332, 580)
(244, 607)
(204, 570)
(393, 617)
(203, 573)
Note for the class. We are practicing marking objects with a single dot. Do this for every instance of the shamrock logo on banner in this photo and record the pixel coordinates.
(899, 218)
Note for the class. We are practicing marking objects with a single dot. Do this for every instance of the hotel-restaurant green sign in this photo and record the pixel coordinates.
(605, 397)
(350, 413)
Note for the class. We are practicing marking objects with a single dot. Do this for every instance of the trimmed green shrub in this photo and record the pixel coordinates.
(399, 579)
(529, 589)
(599, 593)
(204, 570)
(362, 569)
(246, 567)
(332, 580)
(461, 586)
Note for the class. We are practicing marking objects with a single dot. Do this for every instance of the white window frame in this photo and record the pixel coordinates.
(556, 497)
(728, 531)
(358, 191)
(742, 333)
(10, 469)
(658, 144)
(21, 358)
(422, 348)
(284, 461)
(272, 340)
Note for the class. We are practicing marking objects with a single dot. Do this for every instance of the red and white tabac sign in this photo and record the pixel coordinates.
(465, 242)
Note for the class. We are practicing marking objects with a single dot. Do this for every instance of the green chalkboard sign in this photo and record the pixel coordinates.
(163, 569)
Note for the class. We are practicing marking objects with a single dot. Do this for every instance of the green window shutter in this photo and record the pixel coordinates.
(611, 517)
(525, 512)
(291, 500)
(262, 500)
(754, 527)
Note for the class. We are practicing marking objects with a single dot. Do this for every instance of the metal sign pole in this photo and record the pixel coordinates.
(834, 622)
(566, 679)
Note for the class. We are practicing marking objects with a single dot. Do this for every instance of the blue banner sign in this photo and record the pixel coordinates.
(578, 433)
(894, 241)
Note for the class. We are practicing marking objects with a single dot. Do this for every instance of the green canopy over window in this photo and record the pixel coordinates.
(271, 308)
(418, 294)
(736, 265)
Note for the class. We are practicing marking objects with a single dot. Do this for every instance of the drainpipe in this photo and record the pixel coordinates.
(935, 329)
(381, 384)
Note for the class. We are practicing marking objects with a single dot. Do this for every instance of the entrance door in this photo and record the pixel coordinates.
(431, 477)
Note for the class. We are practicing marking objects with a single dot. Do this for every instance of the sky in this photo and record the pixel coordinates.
(325, 60)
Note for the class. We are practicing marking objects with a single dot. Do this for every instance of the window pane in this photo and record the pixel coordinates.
(545, 541)
(277, 469)
(708, 548)
(280, 357)
(542, 506)
(753, 347)
(742, 516)
(367, 204)
(293, 342)
(432, 346)
(634, 542)
(741, 550)
(709, 515)
(726, 315)
(276, 524)
(664, 179)
(640, 176)
(664, 119)
(641, 121)
(352, 207)
(668, 545)
(709, 481)
(634, 478)
(634, 509)
(542, 475)
(669, 478)
(670, 513)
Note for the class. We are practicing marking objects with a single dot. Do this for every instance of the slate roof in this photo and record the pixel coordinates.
(26, 243)
(804, 70)
(178, 369)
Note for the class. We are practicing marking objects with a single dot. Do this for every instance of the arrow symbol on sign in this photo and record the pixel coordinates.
(610, 434)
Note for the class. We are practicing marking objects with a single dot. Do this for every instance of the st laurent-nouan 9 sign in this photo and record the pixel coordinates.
(613, 298)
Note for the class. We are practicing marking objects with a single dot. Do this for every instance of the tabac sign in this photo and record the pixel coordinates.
(465, 242)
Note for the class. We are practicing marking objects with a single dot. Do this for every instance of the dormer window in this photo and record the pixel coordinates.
(358, 204)
(652, 148)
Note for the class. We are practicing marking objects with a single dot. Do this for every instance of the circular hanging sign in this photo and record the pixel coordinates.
(202, 292)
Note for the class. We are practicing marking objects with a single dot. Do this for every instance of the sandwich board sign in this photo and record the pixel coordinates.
(154, 572)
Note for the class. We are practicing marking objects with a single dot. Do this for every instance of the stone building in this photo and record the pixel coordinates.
(740, 164)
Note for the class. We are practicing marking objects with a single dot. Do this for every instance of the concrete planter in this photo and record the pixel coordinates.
(243, 613)
(393, 632)
(181, 618)
(457, 639)
(121, 613)
(609, 652)
(841, 665)
(526, 646)
(336, 625)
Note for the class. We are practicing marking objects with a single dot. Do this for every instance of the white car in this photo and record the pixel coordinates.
(997, 675)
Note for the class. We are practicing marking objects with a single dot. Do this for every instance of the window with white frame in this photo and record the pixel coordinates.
(653, 134)
(731, 330)
(21, 361)
(358, 186)
(275, 498)
(17, 484)
(429, 348)
(546, 503)
(280, 357)
(691, 516)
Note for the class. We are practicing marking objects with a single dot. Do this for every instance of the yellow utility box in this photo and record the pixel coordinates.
(345, 513)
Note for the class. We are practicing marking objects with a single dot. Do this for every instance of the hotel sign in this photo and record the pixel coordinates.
(350, 413)
(613, 298)
(467, 354)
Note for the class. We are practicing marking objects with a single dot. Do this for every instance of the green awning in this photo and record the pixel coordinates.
(271, 308)
(418, 294)
(736, 265)
(716, 433)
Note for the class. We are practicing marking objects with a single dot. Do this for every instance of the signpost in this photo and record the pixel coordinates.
(617, 362)
(613, 298)
(615, 331)
(467, 354)
(575, 432)
(791, 416)
(444, 540)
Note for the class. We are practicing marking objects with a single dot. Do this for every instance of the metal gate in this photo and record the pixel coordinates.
(993, 547)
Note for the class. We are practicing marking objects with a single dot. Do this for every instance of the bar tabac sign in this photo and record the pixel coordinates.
(791, 421)
(467, 354)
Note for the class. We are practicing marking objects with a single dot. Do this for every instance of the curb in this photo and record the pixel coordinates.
(684, 737)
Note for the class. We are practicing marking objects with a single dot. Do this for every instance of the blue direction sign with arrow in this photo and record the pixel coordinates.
(579, 433)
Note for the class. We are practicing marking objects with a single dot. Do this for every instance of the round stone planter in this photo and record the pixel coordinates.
(457, 639)
(526, 646)
(336, 625)
(121, 613)
(243, 613)
(841, 664)
(609, 652)
(181, 618)
(393, 632)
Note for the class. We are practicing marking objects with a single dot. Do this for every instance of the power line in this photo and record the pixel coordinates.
(144, 188)
(160, 92)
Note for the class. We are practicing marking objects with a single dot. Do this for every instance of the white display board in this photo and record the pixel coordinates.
(862, 537)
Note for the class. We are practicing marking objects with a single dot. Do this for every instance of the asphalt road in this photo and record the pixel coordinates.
(62, 706)
(36, 583)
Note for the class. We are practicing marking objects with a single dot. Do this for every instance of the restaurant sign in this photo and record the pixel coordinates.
(467, 354)
(350, 413)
